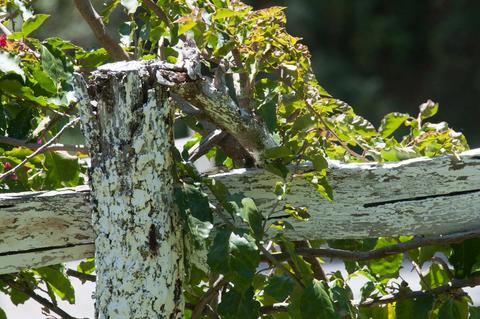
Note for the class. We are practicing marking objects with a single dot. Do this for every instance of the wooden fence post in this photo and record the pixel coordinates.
(127, 123)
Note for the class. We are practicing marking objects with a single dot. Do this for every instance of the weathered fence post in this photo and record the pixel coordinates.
(127, 121)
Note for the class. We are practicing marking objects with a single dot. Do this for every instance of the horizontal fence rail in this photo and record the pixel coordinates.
(422, 196)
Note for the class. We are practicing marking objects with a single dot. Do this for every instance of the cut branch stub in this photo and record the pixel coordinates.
(127, 122)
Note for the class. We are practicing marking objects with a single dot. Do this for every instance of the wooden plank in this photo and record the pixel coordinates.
(422, 196)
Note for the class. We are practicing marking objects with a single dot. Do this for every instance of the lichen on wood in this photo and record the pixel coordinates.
(127, 121)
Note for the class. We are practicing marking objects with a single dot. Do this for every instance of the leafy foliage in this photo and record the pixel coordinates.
(269, 75)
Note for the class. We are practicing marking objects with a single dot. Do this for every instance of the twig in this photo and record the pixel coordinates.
(206, 144)
(207, 297)
(277, 263)
(317, 269)
(80, 275)
(384, 251)
(454, 285)
(95, 22)
(54, 147)
(40, 149)
(44, 302)
(339, 140)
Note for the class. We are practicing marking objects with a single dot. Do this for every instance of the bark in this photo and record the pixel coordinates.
(126, 120)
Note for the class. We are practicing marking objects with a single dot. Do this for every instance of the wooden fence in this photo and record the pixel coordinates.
(422, 196)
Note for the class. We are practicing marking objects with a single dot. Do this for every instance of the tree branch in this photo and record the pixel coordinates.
(95, 22)
(207, 297)
(53, 147)
(220, 108)
(43, 301)
(454, 285)
(381, 252)
(80, 275)
(40, 149)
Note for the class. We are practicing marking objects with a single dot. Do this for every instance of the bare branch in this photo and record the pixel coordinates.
(53, 147)
(207, 297)
(40, 149)
(95, 22)
(384, 251)
(206, 144)
(80, 275)
(317, 269)
(450, 287)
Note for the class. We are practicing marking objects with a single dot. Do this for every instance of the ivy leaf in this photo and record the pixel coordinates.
(9, 63)
(253, 217)
(316, 302)
(391, 122)
(58, 282)
(279, 287)
(236, 305)
(428, 109)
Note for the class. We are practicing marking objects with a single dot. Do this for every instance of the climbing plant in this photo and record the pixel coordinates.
(286, 121)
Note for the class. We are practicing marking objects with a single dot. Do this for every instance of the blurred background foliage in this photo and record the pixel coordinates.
(379, 56)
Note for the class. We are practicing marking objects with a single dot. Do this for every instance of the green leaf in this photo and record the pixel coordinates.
(422, 306)
(63, 169)
(86, 266)
(454, 309)
(388, 265)
(464, 256)
(299, 213)
(391, 122)
(474, 312)
(9, 63)
(186, 26)
(17, 297)
(52, 65)
(3, 315)
(58, 282)
(279, 287)
(223, 13)
(404, 309)
(33, 24)
(436, 276)
(191, 201)
(199, 229)
(278, 169)
(277, 152)
(253, 217)
(218, 257)
(319, 162)
(236, 305)
(44, 80)
(316, 302)
(428, 109)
